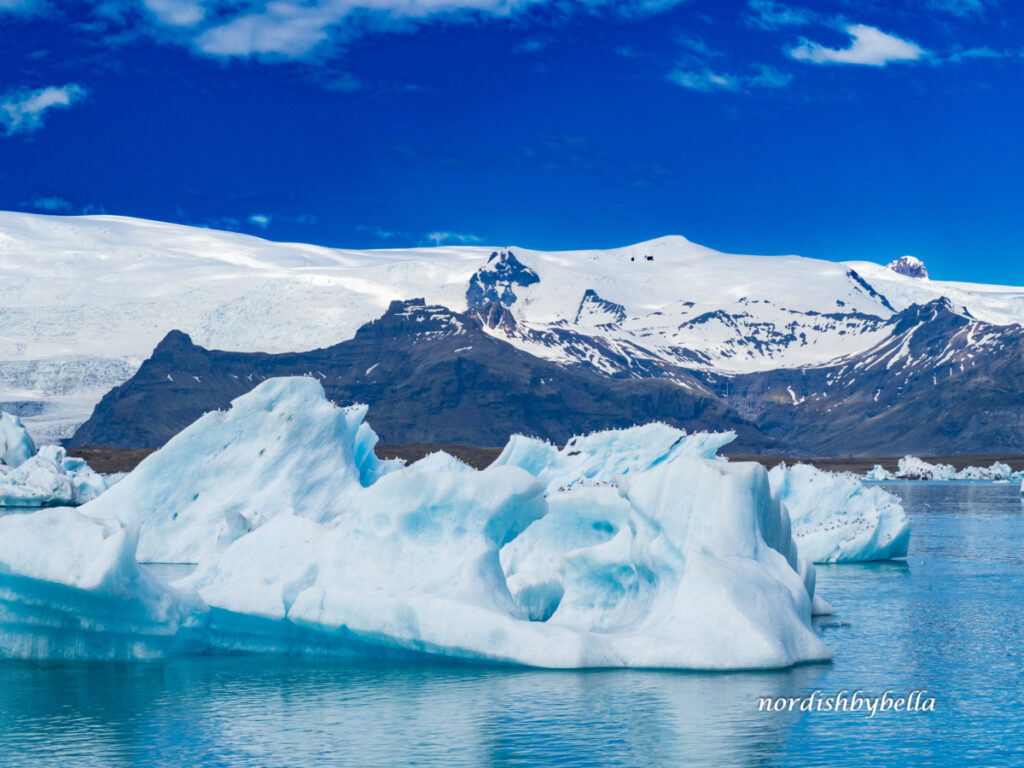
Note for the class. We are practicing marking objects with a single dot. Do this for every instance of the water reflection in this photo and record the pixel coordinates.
(287, 712)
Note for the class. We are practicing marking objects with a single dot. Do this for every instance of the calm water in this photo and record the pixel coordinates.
(950, 621)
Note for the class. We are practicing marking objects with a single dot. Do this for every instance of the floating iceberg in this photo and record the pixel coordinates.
(879, 474)
(307, 543)
(837, 519)
(914, 468)
(49, 478)
(16, 446)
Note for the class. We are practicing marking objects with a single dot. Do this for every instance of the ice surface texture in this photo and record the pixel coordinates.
(837, 519)
(307, 543)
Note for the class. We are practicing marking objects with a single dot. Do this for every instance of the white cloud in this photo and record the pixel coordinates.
(770, 14)
(23, 111)
(452, 237)
(708, 81)
(870, 47)
(52, 204)
(177, 13)
(260, 220)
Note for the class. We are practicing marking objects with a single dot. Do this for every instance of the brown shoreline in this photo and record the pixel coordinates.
(107, 459)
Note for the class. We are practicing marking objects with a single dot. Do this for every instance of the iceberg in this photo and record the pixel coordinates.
(70, 588)
(837, 519)
(307, 543)
(16, 445)
(879, 474)
(914, 468)
(49, 478)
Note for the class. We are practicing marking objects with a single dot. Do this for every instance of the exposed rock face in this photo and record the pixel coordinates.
(910, 266)
(427, 373)
(495, 280)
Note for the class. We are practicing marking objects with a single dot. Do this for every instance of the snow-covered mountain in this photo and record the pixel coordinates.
(83, 300)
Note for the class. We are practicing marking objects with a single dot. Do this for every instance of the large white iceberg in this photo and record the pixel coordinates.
(308, 544)
(16, 445)
(837, 519)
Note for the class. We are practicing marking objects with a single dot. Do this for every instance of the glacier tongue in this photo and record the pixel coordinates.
(308, 544)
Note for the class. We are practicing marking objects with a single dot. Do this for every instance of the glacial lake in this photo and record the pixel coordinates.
(949, 620)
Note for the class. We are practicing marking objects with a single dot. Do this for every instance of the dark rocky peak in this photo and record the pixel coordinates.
(414, 317)
(940, 313)
(911, 266)
(495, 315)
(597, 311)
(495, 280)
(173, 341)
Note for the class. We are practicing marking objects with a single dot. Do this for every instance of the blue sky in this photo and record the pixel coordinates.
(839, 130)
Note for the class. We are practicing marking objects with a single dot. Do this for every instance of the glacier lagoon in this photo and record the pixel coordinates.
(944, 621)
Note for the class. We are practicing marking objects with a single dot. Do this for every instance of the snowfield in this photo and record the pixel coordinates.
(85, 299)
(682, 560)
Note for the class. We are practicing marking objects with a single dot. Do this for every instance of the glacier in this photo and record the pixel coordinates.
(307, 543)
(837, 519)
(46, 477)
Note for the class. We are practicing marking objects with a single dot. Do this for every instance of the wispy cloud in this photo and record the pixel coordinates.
(19, 6)
(260, 220)
(707, 81)
(869, 47)
(23, 111)
(961, 8)
(177, 13)
(981, 52)
(379, 232)
(531, 46)
(437, 238)
(771, 14)
(281, 30)
(50, 204)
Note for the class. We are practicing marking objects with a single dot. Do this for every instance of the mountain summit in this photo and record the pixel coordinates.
(911, 266)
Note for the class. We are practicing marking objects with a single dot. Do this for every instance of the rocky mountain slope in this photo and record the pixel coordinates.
(425, 371)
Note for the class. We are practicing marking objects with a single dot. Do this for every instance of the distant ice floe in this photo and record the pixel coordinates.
(837, 519)
(44, 478)
(630, 548)
(914, 468)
